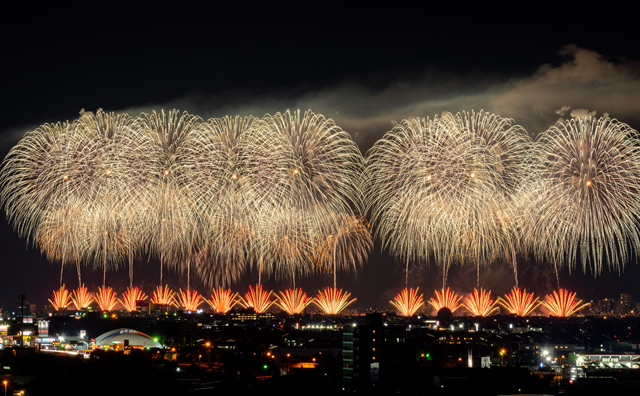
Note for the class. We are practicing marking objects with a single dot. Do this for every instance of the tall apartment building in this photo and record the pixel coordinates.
(373, 354)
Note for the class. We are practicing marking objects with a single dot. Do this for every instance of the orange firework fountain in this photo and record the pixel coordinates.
(61, 299)
(257, 299)
(189, 299)
(293, 301)
(519, 302)
(563, 303)
(408, 301)
(222, 300)
(81, 297)
(131, 297)
(163, 296)
(332, 301)
(479, 303)
(446, 299)
(106, 298)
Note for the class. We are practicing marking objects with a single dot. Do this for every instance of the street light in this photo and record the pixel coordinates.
(5, 382)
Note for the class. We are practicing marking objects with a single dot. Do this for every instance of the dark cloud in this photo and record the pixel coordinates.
(585, 82)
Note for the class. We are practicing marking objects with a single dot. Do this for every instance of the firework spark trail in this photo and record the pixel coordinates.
(563, 303)
(258, 299)
(59, 237)
(408, 301)
(446, 299)
(163, 296)
(480, 303)
(109, 236)
(333, 301)
(519, 302)
(82, 298)
(446, 188)
(131, 297)
(222, 300)
(293, 301)
(583, 197)
(347, 245)
(287, 235)
(189, 299)
(61, 299)
(106, 299)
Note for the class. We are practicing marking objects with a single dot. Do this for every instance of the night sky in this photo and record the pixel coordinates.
(366, 66)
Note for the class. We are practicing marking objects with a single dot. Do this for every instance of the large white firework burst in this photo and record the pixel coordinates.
(581, 203)
(445, 188)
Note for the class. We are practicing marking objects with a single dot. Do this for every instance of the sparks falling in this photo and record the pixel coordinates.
(479, 303)
(189, 299)
(519, 302)
(82, 298)
(258, 299)
(61, 299)
(131, 297)
(563, 303)
(293, 301)
(408, 301)
(446, 299)
(222, 300)
(333, 301)
(106, 299)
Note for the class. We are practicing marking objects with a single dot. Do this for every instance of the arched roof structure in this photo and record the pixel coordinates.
(127, 337)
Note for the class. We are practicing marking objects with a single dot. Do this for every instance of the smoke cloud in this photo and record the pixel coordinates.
(584, 84)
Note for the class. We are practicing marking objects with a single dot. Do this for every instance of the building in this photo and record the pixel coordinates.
(127, 338)
(626, 305)
(373, 354)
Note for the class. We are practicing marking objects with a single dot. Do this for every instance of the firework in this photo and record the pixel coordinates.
(479, 303)
(306, 169)
(345, 243)
(106, 299)
(446, 188)
(218, 169)
(131, 297)
(333, 301)
(169, 208)
(519, 302)
(563, 303)
(313, 165)
(109, 236)
(258, 299)
(59, 237)
(229, 235)
(108, 188)
(163, 296)
(408, 301)
(287, 242)
(82, 298)
(222, 300)
(189, 299)
(583, 199)
(446, 299)
(61, 299)
(293, 301)
(34, 176)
